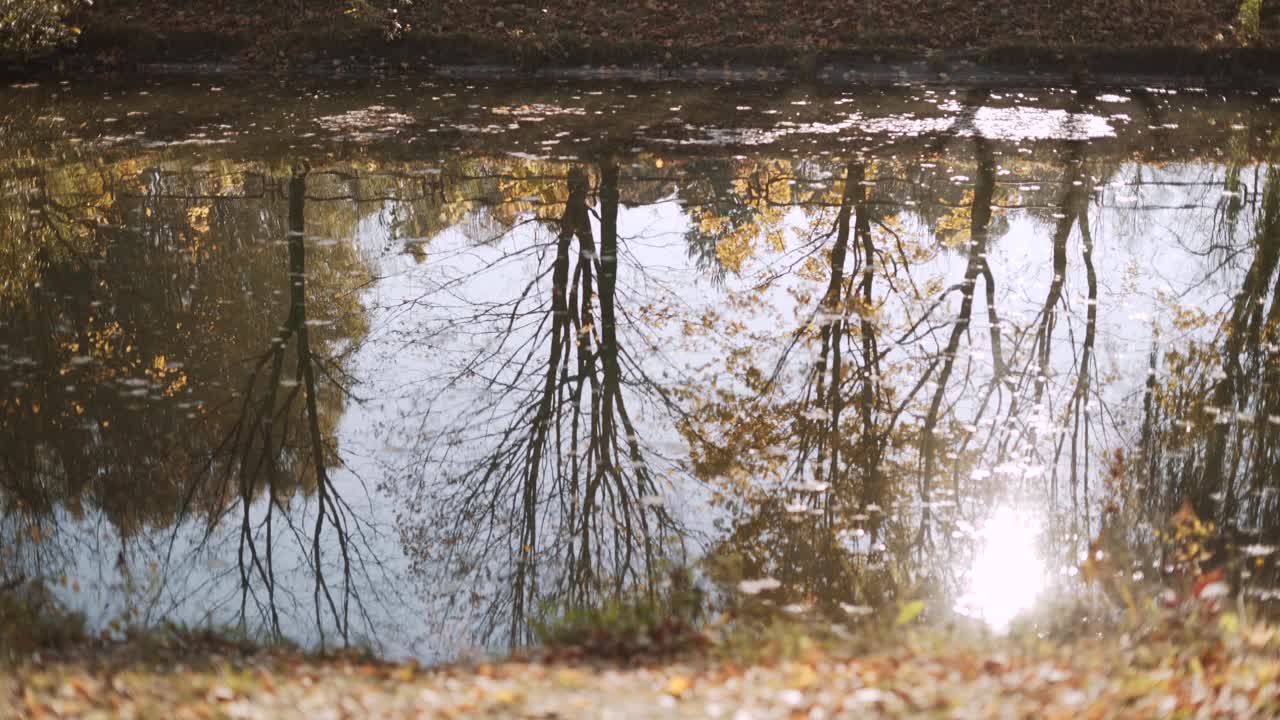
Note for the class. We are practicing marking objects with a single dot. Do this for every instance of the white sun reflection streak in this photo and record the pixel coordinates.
(1008, 573)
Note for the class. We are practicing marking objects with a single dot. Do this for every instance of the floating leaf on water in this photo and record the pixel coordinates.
(755, 587)
(817, 414)
(856, 610)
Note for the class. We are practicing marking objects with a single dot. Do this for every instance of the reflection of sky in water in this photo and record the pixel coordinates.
(410, 393)
(395, 438)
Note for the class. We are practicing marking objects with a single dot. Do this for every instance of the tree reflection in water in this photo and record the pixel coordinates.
(432, 399)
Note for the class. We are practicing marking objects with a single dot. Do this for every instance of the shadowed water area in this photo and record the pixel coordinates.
(408, 364)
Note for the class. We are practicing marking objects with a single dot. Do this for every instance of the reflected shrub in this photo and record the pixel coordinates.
(30, 28)
(31, 619)
(663, 622)
(1249, 20)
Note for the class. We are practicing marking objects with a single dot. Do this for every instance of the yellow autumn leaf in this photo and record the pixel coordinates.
(571, 678)
(505, 696)
(677, 685)
(802, 677)
(198, 218)
(909, 612)
(1229, 623)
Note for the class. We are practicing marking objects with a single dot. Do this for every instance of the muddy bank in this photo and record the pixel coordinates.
(132, 50)
(1180, 42)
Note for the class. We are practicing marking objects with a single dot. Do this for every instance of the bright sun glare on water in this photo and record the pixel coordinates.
(1007, 572)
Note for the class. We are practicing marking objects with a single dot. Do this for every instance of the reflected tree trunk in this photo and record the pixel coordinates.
(872, 438)
(980, 220)
(1231, 394)
(567, 476)
(262, 443)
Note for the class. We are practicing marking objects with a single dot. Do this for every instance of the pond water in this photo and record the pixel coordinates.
(407, 363)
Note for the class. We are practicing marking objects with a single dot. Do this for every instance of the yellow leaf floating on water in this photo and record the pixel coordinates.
(198, 219)
(909, 612)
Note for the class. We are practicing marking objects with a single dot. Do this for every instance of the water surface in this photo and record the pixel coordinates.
(407, 363)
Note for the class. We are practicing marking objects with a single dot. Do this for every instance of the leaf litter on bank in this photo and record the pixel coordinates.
(1185, 662)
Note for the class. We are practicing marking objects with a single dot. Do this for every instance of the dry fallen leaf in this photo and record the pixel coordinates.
(677, 685)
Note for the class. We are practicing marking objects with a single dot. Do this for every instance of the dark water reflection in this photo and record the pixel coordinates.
(406, 366)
